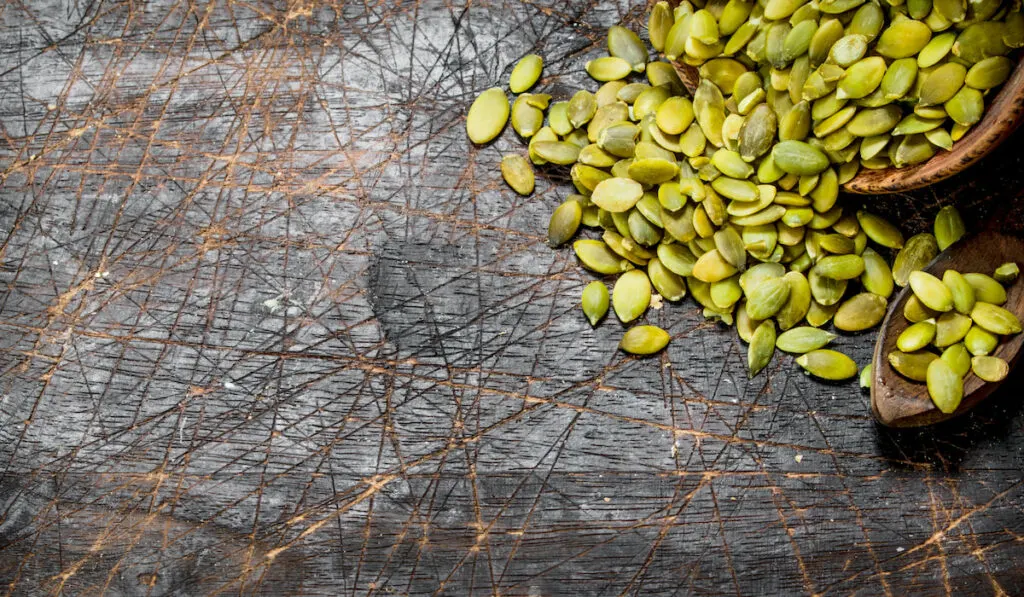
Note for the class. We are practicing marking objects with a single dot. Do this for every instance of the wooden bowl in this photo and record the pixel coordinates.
(1002, 116)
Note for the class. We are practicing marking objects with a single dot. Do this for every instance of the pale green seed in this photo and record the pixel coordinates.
(608, 68)
(799, 158)
(743, 191)
(848, 50)
(989, 73)
(659, 23)
(936, 49)
(966, 107)
(709, 108)
(1007, 273)
(865, 377)
(931, 291)
(828, 33)
(879, 230)
(903, 39)
(544, 134)
(631, 295)
(487, 116)
(828, 364)
(958, 358)
(917, 253)
(644, 340)
(986, 288)
(761, 348)
(652, 171)
(916, 337)
(962, 291)
(670, 285)
(582, 108)
(765, 299)
(950, 328)
(676, 258)
(877, 277)
(899, 78)
(912, 365)
(991, 369)
(995, 319)
(726, 293)
(980, 341)
(598, 257)
(759, 273)
(625, 44)
(518, 173)
(674, 115)
(803, 339)
(818, 315)
(860, 312)
(949, 227)
(941, 84)
(862, 78)
(827, 291)
(595, 301)
(795, 309)
(874, 121)
(915, 311)
(840, 267)
(795, 125)
(565, 220)
(712, 267)
(562, 153)
(617, 194)
(745, 326)
(730, 246)
(526, 73)
(980, 40)
(945, 387)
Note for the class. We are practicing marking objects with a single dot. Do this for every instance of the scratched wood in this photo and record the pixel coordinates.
(269, 326)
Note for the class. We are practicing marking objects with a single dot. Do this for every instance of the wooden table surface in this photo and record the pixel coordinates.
(269, 325)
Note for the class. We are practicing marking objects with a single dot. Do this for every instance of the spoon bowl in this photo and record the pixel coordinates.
(899, 402)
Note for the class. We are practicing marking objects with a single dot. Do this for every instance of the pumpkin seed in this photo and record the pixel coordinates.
(950, 328)
(631, 295)
(617, 194)
(862, 78)
(949, 227)
(915, 311)
(487, 116)
(799, 158)
(803, 339)
(877, 277)
(644, 340)
(962, 291)
(865, 377)
(980, 341)
(918, 252)
(818, 314)
(986, 288)
(1007, 273)
(916, 337)
(945, 387)
(518, 173)
(903, 39)
(526, 73)
(912, 365)
(930, 291)
(966, 107)
(565, 220)
(828, 364)
(795, 309)
(658, 24)
(995, 319)
(861, 312)
(582, 108)
(761, 348)
(879, 230)
(988, 73)
(991, 369)
(712, 267)
(626, 45)
(767, 298)
(595, 301)
(958, 358)
(840, 267)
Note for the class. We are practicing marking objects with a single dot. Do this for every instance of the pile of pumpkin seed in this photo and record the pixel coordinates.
(960, 316)
(732, 196)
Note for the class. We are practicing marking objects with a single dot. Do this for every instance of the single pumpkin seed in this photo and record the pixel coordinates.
(562, 153)
(617, 194)
(903, 39)
(626, 45)
(674, 115)
(966, 107)
(608, 68)
(582, 108)
(658, 24)
(795, 309)
(912, 365)
(958, 358)
(644, 340)
(899, 78)
(631, 295)
(936, 49)
(862, 78)
(918, 252)
(848, 49)
(726, 293)
(565, 220)
(986, 288)
(877, 277)
(950, 328)
(930, 290)
(487, 116)
(803, 339)
(1007, 272)
(980, 341)
(945, 387)
(840, 267)
(941, 84)
(995, 319)
(949, 227)
(860, 312)
(818, 315)
(865, 377)
(963, 292)
(761, 348)
(991, 369)
(518, 173)
(827, 291)
(598, 257)
(828, 364)
(595, 301)
(712, 267)
(989, 73)
(916, 337)
(799, 158)
(526, 73)
(915, 311)
(676, 258)
(874, 121)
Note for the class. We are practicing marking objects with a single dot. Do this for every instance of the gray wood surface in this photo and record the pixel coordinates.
(270, 326)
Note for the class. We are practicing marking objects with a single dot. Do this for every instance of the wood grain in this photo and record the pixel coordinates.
(270, 325)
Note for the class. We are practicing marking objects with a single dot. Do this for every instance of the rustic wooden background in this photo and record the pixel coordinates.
(269, 325)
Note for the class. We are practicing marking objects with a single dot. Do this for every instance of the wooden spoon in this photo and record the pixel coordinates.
(1002, 117)
(900, 402)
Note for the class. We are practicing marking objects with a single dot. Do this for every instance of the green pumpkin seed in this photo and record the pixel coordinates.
(487, 116)
(712, 267)
(595, 301)
(669, 285)
(598, 257)
(743, 191)
(966, 107)
(674, 115)
(962, 291)
(745, 326)
(676, 258)
(991, 369)
(848, 50)
(989, 73)
(936, 49)
(709, 107)
(1007, 273)
(877, 277)
(818, 314)
(828, 364)
(798, 304)
(958, 358)
(827, 291)
(949, 227)
(862, 78)
(864, 380)
(730, 246)
(915, 311)
(879, 230)
(986, 288)
(979, 341)
(557, 152)
(916, 337)
(626, 45)
(903, 39)
(618, 139)
(631, 295)
(945, 387)
(644, 340)
(913, 124)
(726, 293)
(912, 365)
(828, 33)
(617, 194)
(765, 299)
(995, 319)
(950, 328)
(979, 41)
(565, 220)
(840, 267)
(544, 134)
(860, 312)
(762, 347)
(608, 68)
(918, 252)
(875, 121)
(899, 78)
(803, 339)
(799, 158)
(518, 173)
(942, 84)
(582, 108)
(930, 291)
(526, 73)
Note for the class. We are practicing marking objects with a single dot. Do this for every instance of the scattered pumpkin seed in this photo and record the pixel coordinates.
(990, 369)
(828, 364)
(761, 348)
(595, 301)
(644, 340)
(526, 73)
(487, 116)
(945, 387)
